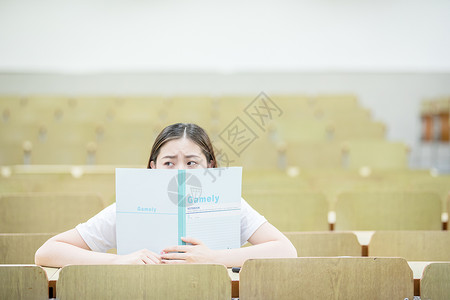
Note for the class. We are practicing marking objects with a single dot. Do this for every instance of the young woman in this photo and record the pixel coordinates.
(178, 146)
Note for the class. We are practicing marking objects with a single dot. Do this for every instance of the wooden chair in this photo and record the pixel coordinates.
(351, 130)
(46, 212)
(313, 155)
(344, 102)
(411, 245)
(19, 248)
(201, 281)
(291, 211)
(376, 154)
(125, 143)
(435, 282)
(388, 211)
(310, 244)
(61, 179)
(326, 278)
(302, 130)
(23, 282)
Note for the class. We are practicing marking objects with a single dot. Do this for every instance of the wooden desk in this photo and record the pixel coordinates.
(53, 275)
(416, 266)
(364, 239)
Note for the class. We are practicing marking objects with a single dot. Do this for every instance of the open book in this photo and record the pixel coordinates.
(156, 207)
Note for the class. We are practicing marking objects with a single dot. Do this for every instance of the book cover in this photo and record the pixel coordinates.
(156, 207)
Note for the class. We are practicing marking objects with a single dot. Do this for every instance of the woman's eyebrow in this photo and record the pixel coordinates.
(169, 156)
(191, 155)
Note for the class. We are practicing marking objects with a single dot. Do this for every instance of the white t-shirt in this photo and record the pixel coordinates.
(99, 232)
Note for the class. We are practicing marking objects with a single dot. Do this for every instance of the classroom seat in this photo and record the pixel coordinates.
(438, 184)
(320, 155)
(125, 143)
(293, 106)
(19, 248)
(23, 282)
(189, 281)
(302, 130)
(291, 210)
(320, 244)
(376, 154)
(354, 130)
(326, 278)
(46, 212)
(426, 245)
(435, 282)
(336, 101)
(61, 179)
(388, 211)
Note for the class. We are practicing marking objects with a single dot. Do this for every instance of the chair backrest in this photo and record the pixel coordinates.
(197, 281)
(291, 210)
(19, 248)
(435, 282)
(376, 154)
(319, 244)
(314, 155)
(23, 282)
(411, 245)
(326, 278)
(388, 211)
(46, 212)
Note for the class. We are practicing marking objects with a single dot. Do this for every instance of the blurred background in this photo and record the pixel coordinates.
(322, 102)
(391, 55)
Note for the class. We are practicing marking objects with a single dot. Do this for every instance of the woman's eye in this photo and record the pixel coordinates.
(191, 163)
(168, 163)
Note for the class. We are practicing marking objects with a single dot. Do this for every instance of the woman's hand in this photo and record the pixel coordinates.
(197, 252)
(141, 257)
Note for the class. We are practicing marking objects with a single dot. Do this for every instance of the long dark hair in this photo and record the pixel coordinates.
(193, 132)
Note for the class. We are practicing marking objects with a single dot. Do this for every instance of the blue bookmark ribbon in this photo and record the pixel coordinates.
(181, 206)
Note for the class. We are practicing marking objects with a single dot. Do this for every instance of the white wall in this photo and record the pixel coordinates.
(391, 53)
(226, 36)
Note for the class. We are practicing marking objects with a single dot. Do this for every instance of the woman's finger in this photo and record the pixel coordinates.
(192, 241)
(175, 256)
(177, 249)
(172, 261)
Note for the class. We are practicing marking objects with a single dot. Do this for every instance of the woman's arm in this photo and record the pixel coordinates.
(69, 248)
(267, 242)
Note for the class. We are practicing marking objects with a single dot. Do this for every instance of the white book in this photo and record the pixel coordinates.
(156, 207)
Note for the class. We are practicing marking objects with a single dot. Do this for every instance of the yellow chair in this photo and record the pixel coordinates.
(291, 211)
(411, 245)
(302, 130)
(326, 278)
(314, 155)
(196, 281)
(19, 248)
(376, 154)
(388, 211)
(126, 143)
(435, 282)
(23, 282)
(61, 179)
(310, 244)
(46, 212)
(353, 130)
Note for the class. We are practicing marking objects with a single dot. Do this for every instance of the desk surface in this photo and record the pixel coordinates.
(417, 268)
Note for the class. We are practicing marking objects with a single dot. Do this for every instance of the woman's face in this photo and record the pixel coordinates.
(181, 153)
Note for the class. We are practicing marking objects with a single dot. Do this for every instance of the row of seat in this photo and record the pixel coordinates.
(297, 278)
(288, 211)
(45, 130)
(296, 183)
(412, 245)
